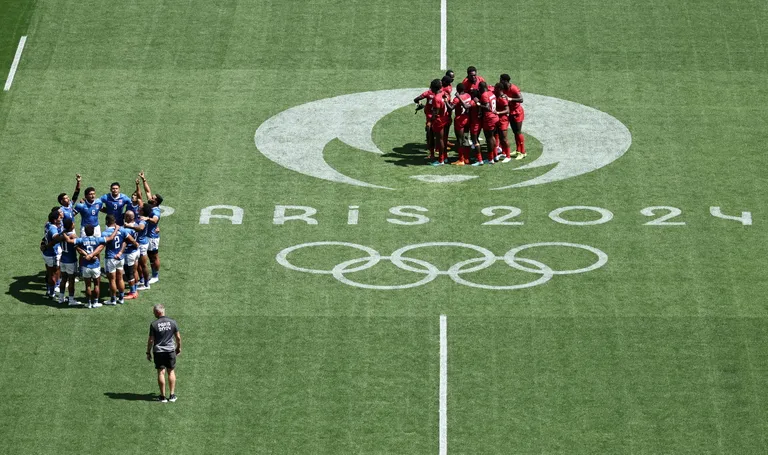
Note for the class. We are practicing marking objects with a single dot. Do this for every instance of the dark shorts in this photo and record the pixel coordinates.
(165, 360)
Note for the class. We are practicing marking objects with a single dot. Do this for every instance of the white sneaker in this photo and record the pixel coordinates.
(142, 288)
(506, 160)
(96, 305)
(154, 280)
(73, 302)
(56, 289)
(120, 302)
(110, 303)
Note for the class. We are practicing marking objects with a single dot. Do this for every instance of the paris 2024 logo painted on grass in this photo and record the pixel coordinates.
(576, 139)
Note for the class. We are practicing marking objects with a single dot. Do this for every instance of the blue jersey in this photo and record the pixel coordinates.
(89, 244)
(116, 206)
(152, 231)
(125, 232)
(141, 235)
(113, 246)
(136, 209)
(89, 213)
(68, 252)
(69, 211)
(51, 230)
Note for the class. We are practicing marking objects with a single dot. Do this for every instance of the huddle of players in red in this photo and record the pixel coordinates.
(477, 106)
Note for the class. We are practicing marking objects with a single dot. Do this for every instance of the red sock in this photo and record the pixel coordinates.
(520, 142)
(479, 155)
(505, 149)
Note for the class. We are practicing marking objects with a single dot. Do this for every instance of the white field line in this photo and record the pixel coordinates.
(443, 35)
(15, 63)
(443, 385)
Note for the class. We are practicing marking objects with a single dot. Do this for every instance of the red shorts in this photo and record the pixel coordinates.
(518, 115)
(503, 122)
(438, 125)
(490, 123)
(460, 123)
(474, 127)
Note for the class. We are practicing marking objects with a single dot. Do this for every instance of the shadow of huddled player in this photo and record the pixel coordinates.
(30, 289)
(410, 154)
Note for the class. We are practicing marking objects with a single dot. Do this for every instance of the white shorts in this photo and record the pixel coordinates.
(96, 231)
(154, 244)
(113, 264)
(91, 273)
(70, 268)
(143, 249)
(131, 258)
(52, 261)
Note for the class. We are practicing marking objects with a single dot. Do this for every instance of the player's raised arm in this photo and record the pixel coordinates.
(78, 180)
(146, 185)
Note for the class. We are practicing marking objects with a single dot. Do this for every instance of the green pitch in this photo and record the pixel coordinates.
(662, 349)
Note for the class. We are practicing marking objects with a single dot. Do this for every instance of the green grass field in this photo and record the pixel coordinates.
(664, 349)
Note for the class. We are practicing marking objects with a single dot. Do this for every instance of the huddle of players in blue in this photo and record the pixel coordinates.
(131, 242)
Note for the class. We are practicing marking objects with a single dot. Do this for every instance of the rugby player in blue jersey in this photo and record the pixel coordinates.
(115, 203)
(115, 259)
(89, 248)
(132, 254)
(67, 203)
(89, 212)
(51, 252)
(153, 234)
(68, 263)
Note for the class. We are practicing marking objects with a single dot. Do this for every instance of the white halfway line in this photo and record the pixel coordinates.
(443, 422)
(15, 64)
(443, 35)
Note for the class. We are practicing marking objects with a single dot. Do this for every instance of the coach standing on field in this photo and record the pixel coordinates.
(165, 342)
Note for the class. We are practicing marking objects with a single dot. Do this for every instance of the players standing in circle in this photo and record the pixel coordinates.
(89, 248)
(114, 203)
(462, 104)
(115, 259)
(51, 252)
(89, 212)
(153, 231)
(516, 114)
(490, 119)
(67, 203)
(502, 110)
(441, 116)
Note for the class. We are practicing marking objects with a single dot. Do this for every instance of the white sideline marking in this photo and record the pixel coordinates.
(15, 63)
(443, 35)
(443, 384)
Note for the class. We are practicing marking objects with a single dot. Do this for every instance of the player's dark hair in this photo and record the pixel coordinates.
(499, 86)
(55, 209)
(89, 231)
(61, 198)
(89, 189)
(460, 88)
(117, 184)
(69, 224)
(158, 200)
(451, 74)
(505, 77)
(446, 81)
(53, 216)
(110, 219)
(471, 69)
(146, 210)
(475, 93)
(435, 85)
(504, 85)
(482, 87)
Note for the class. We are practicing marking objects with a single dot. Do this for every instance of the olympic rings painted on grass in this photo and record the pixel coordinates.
(430, 271)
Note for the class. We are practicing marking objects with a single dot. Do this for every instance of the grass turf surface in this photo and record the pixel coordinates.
(660, 351)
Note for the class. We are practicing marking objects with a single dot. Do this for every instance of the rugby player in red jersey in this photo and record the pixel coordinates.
(516, 114)
(462, 104)
(441, 116)
(446, 88)
(490, 119)
(429, 96)
(475, 124)
(472, 81)
(502, 110)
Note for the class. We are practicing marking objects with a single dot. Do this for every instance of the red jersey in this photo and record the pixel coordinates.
(429, 96)
(469, 87)
(440, 112)
(501, 104)
(512, 92)
(489, 99)
(459, 107)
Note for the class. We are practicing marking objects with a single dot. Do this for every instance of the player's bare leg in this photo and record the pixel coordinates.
(172, 381)
(504, 144)
(161, 380)
(430, 141)
(490, 143)
(439, 148)
(154, 262)
(112, 286)
(462, 149)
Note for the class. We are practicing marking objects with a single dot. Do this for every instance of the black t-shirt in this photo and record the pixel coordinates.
(162, 331)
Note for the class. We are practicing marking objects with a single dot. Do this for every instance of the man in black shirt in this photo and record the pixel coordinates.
(165, 342)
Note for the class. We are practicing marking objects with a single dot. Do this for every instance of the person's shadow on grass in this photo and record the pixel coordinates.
(131, 396)
(30, 289)
(410, 154)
